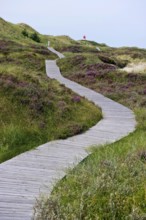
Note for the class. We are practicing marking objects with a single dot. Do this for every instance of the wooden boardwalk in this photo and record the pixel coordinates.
(25, 176)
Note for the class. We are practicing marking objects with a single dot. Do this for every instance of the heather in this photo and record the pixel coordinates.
(33, 108)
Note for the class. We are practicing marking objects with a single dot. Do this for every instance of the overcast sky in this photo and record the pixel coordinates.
(114, 22)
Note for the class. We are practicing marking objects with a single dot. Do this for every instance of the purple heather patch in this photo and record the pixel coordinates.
(76, 99)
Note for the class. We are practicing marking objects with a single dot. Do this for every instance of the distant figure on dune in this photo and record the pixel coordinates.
(84, 37)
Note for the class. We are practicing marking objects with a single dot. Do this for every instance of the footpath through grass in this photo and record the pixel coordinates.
(33, 108)
(111, 182)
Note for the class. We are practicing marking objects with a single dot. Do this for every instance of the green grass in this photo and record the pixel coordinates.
(33, 108)
(111, 182)
(14, 32)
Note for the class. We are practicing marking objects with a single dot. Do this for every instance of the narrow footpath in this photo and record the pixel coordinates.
(24, 177)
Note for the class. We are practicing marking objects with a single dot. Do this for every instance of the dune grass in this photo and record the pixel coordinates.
(111, 182)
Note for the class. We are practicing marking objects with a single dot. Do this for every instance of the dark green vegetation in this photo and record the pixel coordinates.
(111, 182)
(33, 108)
(34, 36)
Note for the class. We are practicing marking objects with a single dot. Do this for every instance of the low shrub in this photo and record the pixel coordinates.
(34, 36)
(25, 33)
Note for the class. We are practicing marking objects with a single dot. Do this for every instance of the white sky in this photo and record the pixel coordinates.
(114, 22)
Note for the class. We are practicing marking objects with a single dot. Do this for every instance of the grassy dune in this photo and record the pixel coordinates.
(33, 108)
(111, 182)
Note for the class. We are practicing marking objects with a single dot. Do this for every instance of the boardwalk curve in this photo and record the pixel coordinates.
(23, 177)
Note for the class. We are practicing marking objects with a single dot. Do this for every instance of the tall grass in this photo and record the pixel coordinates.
(109, 184)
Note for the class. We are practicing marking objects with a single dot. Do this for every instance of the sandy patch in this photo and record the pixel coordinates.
(135, 67)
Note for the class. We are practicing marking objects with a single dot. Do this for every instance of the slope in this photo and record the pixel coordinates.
(34, 109)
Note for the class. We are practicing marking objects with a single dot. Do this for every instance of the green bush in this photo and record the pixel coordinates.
(25, 33)
(113, 60)
(34, 36)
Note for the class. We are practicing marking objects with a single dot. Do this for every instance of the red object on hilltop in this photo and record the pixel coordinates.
(84, 37)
